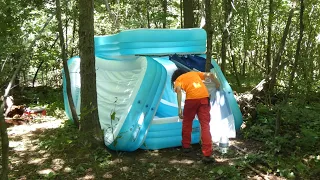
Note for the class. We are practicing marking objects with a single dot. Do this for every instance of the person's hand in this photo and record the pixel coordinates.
(180, 114)
(218, 85)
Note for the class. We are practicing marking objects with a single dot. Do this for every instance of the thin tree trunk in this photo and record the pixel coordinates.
(275, 65)
(181, 14)
(66, 28)
(278, 122)
(188, 17)
(225, 35)
(4, 142)
(65, 65)
(164, 8)
(209, 34)
(308, 66)
(90, 125)
(234, 65)
(3, 127)
(247, 32)
(268, 57)
(262, 43)
(73, 32)
(297, 55)
(4, 63)
(148, 14)
(35, 75)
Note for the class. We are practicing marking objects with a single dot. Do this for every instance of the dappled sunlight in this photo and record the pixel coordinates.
(67, 169)
(45, 171)
(115, 162)
(311, 158)
(125, 169)
(37, 161)
(26, 128)
(18, 145)
(154, 153)
(87, 177)
(107, 175)
(57, 164)
(183, 161)
(26, 154)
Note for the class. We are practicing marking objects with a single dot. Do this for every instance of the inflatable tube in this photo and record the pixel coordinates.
(166, 133)
(131, 89)
(142, 106)
(151, 42)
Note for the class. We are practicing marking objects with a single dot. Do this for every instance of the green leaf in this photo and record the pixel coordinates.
(113, 115)
(220, 171)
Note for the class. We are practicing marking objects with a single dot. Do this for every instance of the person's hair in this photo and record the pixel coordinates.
(175, 75)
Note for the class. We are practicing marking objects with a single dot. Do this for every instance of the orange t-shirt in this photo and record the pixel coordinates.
(191, 83)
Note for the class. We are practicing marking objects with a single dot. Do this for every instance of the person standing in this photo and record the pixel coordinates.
(197, 103)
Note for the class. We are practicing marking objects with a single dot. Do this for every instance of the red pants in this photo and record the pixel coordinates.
(201, 107)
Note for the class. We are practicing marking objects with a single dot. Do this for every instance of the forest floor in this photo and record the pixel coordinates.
(49, 148)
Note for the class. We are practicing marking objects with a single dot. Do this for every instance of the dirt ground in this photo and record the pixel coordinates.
(48, 150)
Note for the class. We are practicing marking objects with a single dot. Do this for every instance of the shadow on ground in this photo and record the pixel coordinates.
(52, 149)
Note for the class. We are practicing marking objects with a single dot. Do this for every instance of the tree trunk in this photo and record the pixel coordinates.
(225, 35)
(4, 63)
(268, 57)
(164, 8)
(36, 74)
(307, 66)
(181, 13)
(209, 34)
(66, 28)
(188, 17)
(197, 17)
(234, 65)
(246, 22)
(74, 26)
(275, 66)
(4, 142)
(90, 125)
(65, 65)
(148, 14)
(297, 55)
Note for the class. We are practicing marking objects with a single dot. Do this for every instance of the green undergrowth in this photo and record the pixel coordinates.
(294, 152)
(291, 154)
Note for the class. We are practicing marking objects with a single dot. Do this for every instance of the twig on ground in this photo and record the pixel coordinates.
(261, 174)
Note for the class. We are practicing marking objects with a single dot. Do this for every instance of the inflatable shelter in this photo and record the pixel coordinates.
(137, 106)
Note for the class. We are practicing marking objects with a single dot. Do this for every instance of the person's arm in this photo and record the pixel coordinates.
(213, 78)
(179, 98)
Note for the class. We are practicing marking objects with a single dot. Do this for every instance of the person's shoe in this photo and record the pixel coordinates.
(208, 159)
